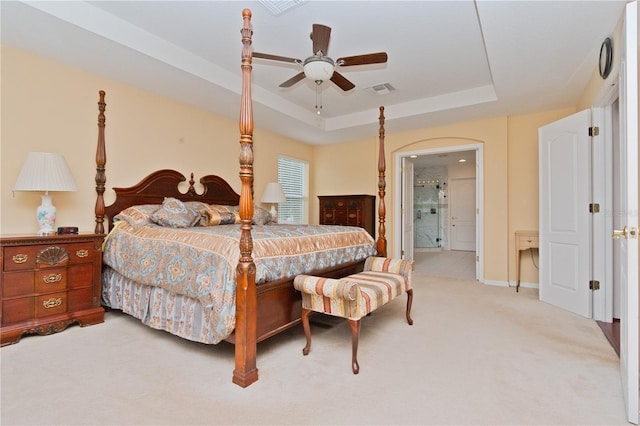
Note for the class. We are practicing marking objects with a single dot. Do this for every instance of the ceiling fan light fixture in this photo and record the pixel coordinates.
(318, 68)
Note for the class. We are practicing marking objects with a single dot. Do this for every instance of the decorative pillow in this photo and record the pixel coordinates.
(260, 216)
(137, 215)
(175, 214)
(196, 207)
(215, 214)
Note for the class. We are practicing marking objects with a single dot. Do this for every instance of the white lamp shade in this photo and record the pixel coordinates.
(273, 193)
(318, 68)
(45, 171)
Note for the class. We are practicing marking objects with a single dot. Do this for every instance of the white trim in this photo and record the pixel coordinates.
(497, 283)
(524, 284)
(602, 223)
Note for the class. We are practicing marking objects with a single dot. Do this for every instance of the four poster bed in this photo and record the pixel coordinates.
(171, 259)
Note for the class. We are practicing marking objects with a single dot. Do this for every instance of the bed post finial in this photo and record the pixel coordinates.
(101, 160)
(245, 371)
(382, 212)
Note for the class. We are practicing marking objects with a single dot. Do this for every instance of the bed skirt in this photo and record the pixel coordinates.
(157, 308)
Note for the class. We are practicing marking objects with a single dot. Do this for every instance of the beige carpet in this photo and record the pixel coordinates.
(476, 354)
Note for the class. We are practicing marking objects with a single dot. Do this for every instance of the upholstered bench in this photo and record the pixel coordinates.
(355, 296)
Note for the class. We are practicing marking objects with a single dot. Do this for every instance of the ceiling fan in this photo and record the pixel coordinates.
(319, 67)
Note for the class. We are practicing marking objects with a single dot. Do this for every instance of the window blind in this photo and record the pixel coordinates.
(292, 175)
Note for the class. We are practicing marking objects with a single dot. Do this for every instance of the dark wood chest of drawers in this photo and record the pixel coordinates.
(350, 210)
(48, 283)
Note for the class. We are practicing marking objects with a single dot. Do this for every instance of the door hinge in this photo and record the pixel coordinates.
(594, 285)
(594, 208)
(594, 131)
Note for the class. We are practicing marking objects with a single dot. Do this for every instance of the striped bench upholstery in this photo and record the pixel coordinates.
(355, 296)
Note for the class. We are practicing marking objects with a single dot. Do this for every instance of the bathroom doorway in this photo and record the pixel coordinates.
(441, 198)
(433, 218)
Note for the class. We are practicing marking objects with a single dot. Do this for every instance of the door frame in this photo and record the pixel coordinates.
(602, 223)
(407, 240)
(399, 196)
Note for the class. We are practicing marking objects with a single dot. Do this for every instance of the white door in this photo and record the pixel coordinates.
(628, 180)
(462, 205)
(407, 208)
(564, 161)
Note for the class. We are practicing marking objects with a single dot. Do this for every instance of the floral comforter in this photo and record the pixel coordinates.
(200, 262)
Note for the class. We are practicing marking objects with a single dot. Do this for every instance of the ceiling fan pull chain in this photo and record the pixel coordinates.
(318, 98)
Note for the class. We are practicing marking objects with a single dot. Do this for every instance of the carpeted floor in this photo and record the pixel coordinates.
(475, 355)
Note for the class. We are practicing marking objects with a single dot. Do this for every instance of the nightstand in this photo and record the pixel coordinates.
(48, 283)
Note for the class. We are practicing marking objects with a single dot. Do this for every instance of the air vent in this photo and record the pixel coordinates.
(381, 89)
(278, 7)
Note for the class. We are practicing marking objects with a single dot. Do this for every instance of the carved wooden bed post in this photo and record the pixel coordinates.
(101, 160)
(381, 243)
(245, 371)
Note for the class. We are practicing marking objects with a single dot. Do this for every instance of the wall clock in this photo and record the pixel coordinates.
(606, 58)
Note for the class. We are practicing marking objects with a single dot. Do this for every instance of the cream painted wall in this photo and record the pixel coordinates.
(462, 170)
(52, 107)
(345, 168)
(492, 133)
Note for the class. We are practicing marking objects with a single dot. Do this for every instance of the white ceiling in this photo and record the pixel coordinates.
(449, 61)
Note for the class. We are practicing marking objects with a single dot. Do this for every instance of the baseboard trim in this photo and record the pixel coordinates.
(510, 284)
(524, 284)
(496, 283)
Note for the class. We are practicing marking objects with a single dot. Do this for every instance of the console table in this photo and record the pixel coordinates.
(525, 240)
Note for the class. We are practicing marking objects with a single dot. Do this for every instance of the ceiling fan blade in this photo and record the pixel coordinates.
(371, 58)
(276, 58)
(293, 80)
(341, 81)
(320, 37)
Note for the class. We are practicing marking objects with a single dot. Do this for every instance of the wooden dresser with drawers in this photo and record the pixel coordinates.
(350, 210)
(48, 283)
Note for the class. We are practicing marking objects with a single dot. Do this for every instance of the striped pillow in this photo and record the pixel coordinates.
(215, 214)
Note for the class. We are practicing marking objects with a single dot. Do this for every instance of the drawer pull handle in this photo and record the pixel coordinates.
(352, 215)
(82, 253)
(52, 303)
(52, 278)
(20, 258)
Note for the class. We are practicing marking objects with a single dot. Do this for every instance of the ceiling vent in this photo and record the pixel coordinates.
(278, 7)
(381, 89)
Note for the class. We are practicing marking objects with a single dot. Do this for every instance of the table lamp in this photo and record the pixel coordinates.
(273, 194)
(45, 171)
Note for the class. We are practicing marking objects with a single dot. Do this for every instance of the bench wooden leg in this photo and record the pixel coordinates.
(409, 302)
(307, 330)
(355, 333)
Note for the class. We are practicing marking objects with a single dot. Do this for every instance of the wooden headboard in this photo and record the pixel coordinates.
(160, 184)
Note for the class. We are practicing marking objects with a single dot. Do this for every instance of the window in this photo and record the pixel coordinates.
(293, 176)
